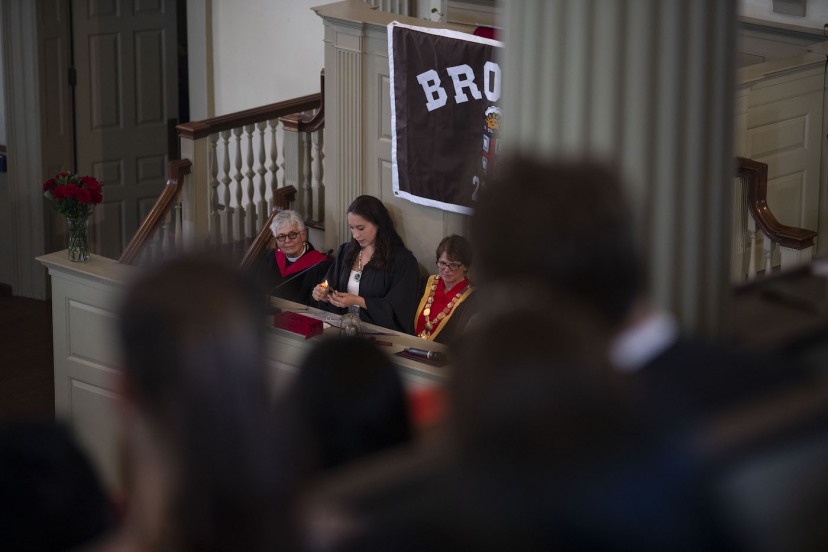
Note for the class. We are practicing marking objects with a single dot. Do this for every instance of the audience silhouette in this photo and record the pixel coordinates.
(580, 417)
(204, 467)
(347, 402)
(51, 498)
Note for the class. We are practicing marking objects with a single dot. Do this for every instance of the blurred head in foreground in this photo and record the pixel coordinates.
(202, 469)
(573, 232)
(349, 402)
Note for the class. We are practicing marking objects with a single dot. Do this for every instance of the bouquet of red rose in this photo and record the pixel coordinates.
(73, 195)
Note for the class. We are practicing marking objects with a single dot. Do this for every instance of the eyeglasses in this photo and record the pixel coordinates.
(282, 237)
(451, 266)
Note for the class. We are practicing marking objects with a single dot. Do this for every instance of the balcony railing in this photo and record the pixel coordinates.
(760, 238)
(236, 166)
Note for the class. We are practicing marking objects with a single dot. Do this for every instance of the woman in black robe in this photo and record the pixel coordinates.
(373, 271)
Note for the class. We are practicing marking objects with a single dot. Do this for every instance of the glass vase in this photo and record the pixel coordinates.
(350, 324)
(78, 239)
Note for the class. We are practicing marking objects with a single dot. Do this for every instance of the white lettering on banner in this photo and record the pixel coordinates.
(462, 77)
(491, 81)
(430, 81)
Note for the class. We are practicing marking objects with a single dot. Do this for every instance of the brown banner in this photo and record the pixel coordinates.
(445, 91)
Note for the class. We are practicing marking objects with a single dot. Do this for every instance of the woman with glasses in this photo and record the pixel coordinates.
(447, 303)
(292, 269)
(373, 271)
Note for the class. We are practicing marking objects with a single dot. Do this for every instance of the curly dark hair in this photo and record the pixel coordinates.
(372, 210)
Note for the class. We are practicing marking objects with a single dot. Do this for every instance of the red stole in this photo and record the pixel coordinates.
(307, 260)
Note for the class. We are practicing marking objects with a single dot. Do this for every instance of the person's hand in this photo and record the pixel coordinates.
(320, 293)
(343, 299)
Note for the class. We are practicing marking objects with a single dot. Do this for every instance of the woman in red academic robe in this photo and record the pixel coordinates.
(448, 300)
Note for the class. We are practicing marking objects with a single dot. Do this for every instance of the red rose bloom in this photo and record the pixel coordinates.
(73, 195)
(91, 184)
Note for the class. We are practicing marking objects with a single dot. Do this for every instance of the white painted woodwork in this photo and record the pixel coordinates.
(85, 299)
(125, 55)
(759, 41)
(783, 128)
(86, 363)
(780, 122)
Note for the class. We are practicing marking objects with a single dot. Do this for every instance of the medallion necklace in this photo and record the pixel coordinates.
(429, 324)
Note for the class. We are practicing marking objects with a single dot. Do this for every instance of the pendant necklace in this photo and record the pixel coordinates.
(358, 274)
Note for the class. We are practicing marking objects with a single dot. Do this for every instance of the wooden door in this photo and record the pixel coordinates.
(126, 66)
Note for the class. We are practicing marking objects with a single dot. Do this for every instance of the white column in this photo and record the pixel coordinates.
(344, 93)
(648, 84)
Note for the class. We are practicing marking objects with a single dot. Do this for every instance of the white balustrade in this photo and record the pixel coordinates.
(241, 166)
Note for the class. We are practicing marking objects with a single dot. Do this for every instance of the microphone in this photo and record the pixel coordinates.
(422, 353)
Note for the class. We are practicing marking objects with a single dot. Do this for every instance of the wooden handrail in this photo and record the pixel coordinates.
(298, 122)
(282, 198)
(756, 175)
(175, 181)
(201, 129)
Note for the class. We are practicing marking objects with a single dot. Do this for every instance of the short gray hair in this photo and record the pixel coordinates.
(287, 218)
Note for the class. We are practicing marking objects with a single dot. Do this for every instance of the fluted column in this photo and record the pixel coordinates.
(650, 85)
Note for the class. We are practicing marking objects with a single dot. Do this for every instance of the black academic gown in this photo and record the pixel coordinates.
(295, 286)
(391, 296)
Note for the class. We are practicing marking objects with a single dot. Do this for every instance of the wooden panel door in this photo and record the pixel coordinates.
(125, 57)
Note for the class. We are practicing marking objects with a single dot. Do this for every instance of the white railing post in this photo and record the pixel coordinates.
(238, 227)
(305, 193)
(293, 155)
(274, 158)
(213, 183)
(249, 190)
(261, 206)
(317, 211)
(752, 232)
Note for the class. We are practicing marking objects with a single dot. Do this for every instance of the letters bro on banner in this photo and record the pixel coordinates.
(445, 115)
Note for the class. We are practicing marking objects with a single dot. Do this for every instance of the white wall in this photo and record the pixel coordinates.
(265, 51)
(816, 13)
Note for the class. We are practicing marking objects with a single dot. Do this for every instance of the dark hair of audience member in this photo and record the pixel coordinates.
(553, 447)
(192, 332)
(531, 381)
(52, 498)
(372, 209)
(573, 230)
(349, 400)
